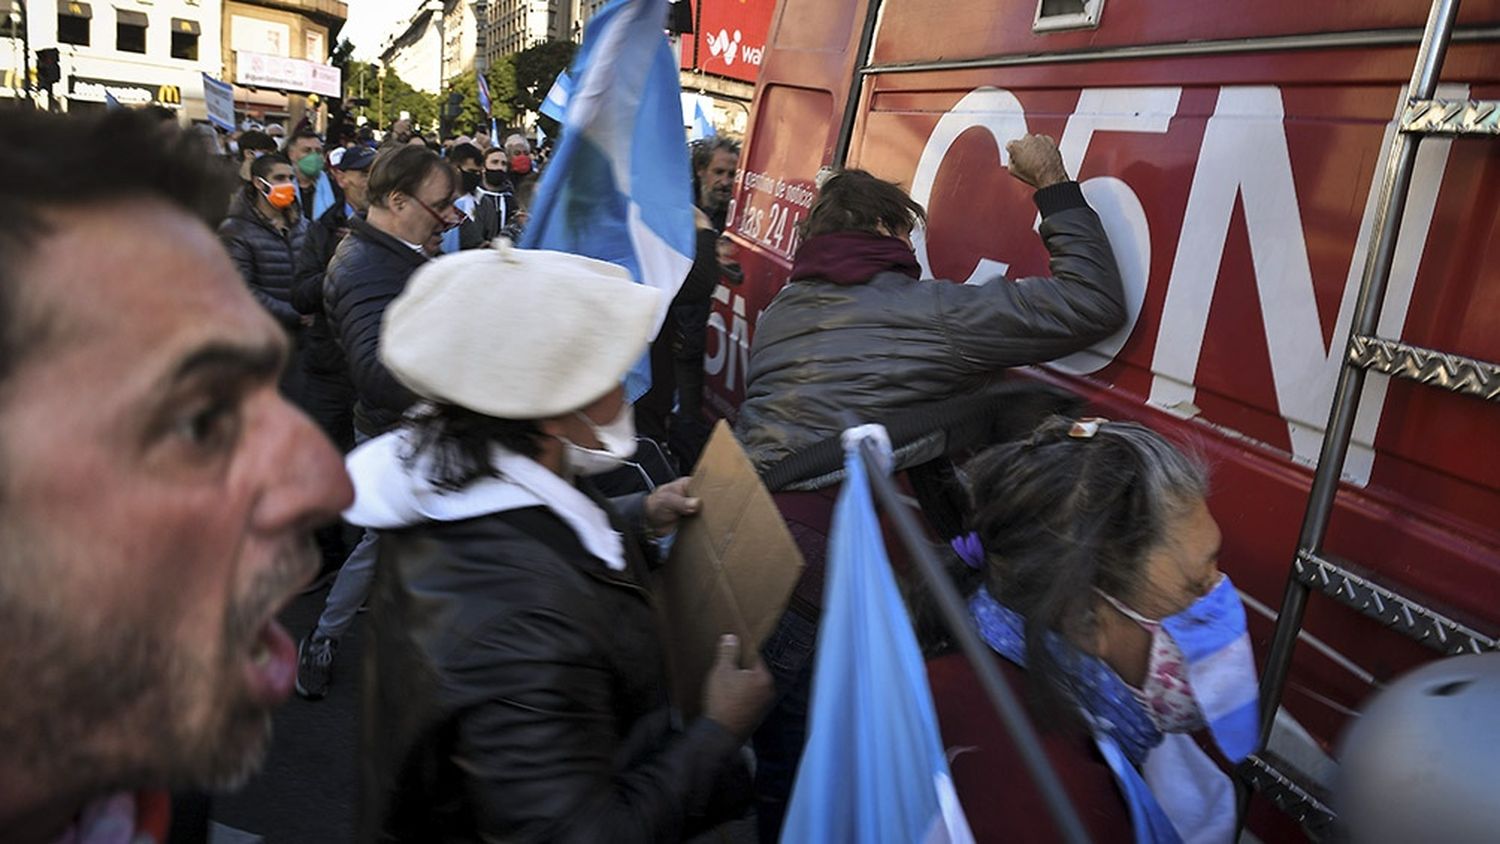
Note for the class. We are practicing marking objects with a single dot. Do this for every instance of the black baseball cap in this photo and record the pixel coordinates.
(357, 158)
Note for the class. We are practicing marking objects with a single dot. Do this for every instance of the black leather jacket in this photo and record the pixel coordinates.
(515, 691)
(368, 271)
(821, 350)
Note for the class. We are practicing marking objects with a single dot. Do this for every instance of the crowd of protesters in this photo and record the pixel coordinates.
(163, 497)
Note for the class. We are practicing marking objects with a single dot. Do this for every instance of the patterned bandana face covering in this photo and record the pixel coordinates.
(1166, 693)
(1202, 670)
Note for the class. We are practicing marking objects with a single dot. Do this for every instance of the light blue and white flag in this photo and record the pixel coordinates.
(702, 126)
(484, 93)
(555, 105)
(873, 769)
(1221, 668)
(218, 97)
(619, 187)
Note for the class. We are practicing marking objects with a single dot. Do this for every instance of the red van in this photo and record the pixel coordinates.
(1234, 152)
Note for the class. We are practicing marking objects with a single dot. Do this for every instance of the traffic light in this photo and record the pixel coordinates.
(48, 70)
(451, 110)
(680, 17)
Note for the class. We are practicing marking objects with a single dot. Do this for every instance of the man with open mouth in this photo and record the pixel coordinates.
(157, 494)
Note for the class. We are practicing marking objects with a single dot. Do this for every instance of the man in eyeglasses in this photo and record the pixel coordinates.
(411, 193)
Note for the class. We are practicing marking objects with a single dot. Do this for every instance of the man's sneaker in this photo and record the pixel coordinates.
(314, 666)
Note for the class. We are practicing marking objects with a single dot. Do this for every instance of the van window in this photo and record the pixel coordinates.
(1058, 15)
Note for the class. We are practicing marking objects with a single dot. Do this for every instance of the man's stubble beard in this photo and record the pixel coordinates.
(109, 706)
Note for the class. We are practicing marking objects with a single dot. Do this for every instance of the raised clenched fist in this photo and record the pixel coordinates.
(1034, 159)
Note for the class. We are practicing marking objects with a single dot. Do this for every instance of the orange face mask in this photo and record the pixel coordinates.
(280, 196)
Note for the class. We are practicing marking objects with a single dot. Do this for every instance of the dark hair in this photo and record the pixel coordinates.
(300, 134)
(55, 162)
(161, 114)
(256, 141)
(403, 169)
(1060, 516)
(465, 152)
(261, 166)
(853, 200)
(704, 150)
(457, 443)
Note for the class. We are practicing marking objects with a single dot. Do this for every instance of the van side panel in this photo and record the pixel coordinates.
(1237, 192)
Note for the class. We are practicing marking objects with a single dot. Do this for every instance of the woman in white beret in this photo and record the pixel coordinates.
(515, 688)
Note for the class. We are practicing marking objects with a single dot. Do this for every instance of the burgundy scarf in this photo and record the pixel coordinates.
(853, 257)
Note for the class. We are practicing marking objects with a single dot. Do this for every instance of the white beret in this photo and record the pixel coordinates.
(517, 333)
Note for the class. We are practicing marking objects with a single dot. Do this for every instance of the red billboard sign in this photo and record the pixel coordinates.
(730, 37)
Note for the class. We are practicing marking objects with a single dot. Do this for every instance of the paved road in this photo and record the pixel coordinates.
(305, 793)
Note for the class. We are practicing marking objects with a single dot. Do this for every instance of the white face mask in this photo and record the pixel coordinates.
(617, 436)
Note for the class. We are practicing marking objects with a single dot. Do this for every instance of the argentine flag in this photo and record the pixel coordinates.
(555, 105)
(873, 769)
(619, 187)
(484, 92)
(702, 127)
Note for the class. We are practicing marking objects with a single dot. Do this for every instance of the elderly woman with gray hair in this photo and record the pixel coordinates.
(1095, 579)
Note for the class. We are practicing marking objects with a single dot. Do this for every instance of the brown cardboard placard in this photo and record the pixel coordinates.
(731, 570)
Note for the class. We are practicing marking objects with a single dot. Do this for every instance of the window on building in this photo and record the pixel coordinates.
(130, 31)
(10, 21)
(1056, 15)
(73, 23)
(185, 39)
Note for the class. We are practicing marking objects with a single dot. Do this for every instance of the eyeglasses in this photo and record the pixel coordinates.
(448, 224)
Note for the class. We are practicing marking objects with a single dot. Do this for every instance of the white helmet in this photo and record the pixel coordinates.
(1420, 763)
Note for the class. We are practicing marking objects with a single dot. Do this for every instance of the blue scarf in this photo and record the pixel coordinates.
(1123, 731)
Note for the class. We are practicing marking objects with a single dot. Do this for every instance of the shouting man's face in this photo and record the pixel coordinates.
(157, 497)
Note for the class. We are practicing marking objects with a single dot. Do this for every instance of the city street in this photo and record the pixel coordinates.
(306, 791)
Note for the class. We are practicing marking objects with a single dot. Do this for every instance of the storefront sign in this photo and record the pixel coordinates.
(125, 93)
(259, 70)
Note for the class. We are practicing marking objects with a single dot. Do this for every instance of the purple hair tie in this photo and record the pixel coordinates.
(969, 549)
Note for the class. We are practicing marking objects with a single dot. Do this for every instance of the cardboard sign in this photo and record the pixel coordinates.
(731, 570)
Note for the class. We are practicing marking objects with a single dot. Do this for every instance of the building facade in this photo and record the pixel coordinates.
(276, 53)
(438, 42)
(514, 25)
(583, 12)
(136, 52)
(460, 38)
(414, 51)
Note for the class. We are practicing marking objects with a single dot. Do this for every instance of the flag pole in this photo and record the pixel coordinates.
(955, 615)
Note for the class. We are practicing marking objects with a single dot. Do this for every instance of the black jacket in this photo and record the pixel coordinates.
(323, 354)
(369, 269)
(492, 214)
(265, 257)
(515, 691)
(822, 350)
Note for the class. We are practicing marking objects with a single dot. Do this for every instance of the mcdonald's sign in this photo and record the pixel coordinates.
(13, 78)
(125, 93)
